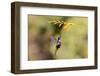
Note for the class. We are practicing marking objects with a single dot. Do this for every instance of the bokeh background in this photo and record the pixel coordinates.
(74, 38)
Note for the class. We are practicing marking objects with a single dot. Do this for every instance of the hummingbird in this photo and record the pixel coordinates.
(58, 44)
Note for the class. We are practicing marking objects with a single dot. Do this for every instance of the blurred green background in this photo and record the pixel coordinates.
(74, 39)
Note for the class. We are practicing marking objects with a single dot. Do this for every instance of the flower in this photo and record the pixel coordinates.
(61, 25)
(67, 26)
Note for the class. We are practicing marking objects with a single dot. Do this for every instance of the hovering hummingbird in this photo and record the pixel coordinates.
(58, 44)
(59, 27)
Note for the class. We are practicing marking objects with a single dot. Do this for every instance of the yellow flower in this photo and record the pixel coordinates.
(55, 21)
(67, 26)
